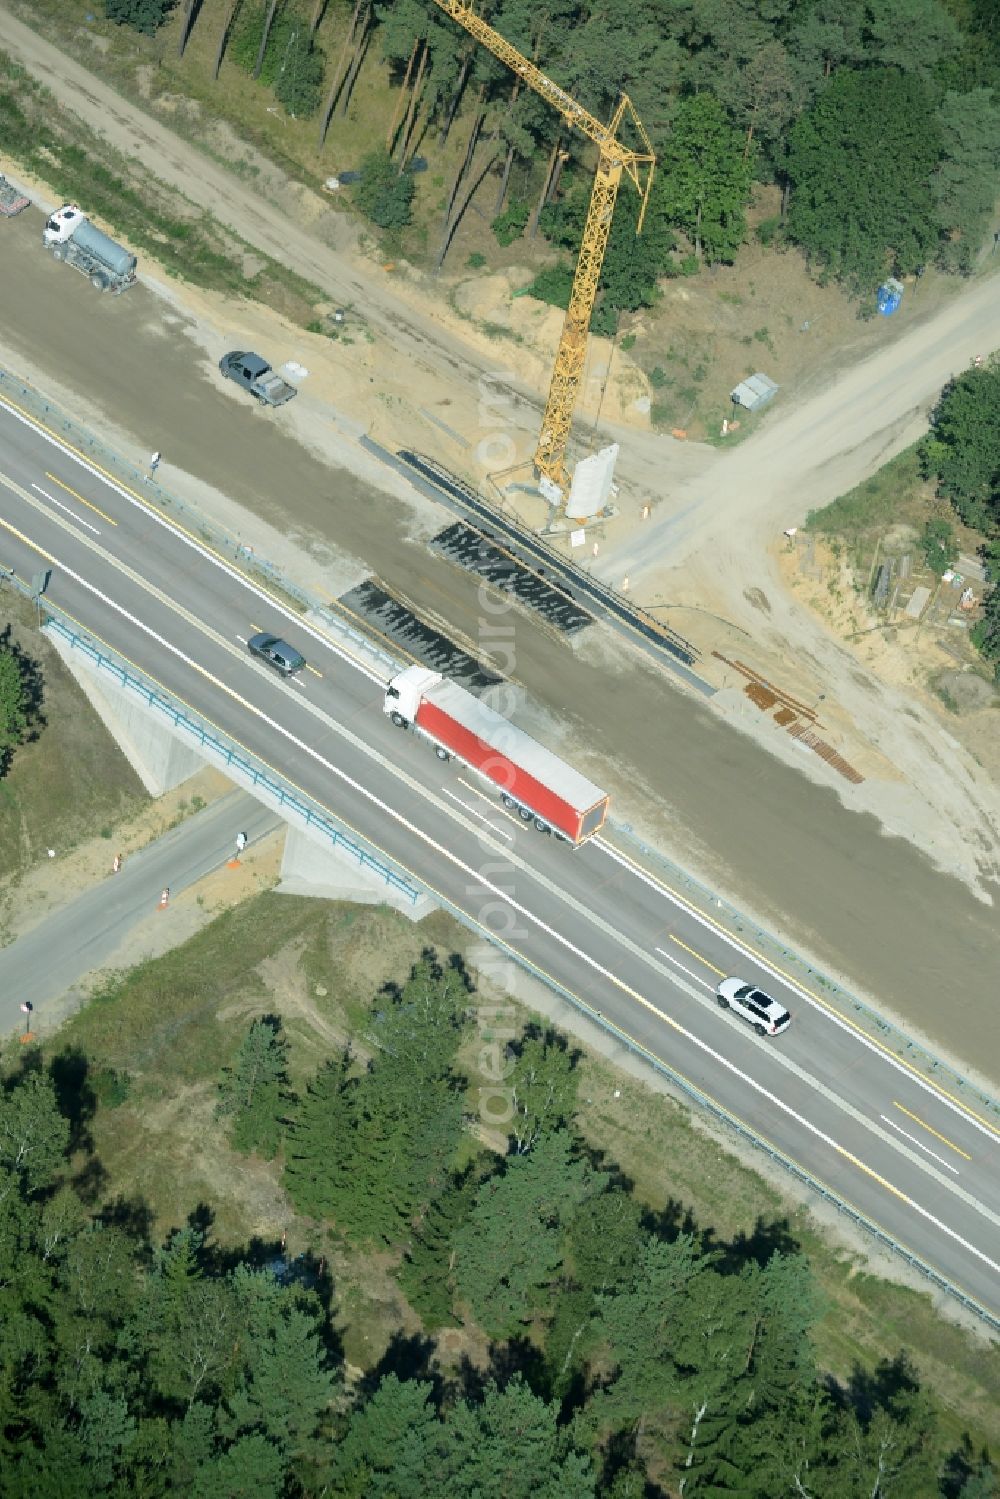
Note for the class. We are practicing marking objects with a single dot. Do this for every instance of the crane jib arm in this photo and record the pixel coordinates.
(573, 113)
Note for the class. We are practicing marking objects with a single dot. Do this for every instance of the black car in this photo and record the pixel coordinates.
(277, 653)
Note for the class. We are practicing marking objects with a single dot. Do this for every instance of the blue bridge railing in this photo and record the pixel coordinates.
(233, 758)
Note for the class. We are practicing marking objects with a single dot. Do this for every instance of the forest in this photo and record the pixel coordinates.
(879, 120)
(961, 453)
(624, 1352)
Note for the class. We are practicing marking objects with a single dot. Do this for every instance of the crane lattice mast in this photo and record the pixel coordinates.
(614, 159)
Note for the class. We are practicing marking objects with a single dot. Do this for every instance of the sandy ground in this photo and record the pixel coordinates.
(719, 546)
(717, 517)
(432, 359)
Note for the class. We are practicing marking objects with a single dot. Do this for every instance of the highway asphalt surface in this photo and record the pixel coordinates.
(860, 1119)
(869, 907)
(81, 936)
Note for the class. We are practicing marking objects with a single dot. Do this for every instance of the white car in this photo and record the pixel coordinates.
(767, 1017)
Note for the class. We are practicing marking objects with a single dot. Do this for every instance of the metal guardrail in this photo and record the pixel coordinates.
(234, 759)
(415, 889)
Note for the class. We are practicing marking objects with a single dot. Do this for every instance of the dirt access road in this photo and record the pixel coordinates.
(873, 909)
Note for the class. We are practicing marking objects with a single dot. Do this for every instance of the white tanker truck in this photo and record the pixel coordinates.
(70, 235)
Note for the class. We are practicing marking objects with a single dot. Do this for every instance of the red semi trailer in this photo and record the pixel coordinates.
(533, 781)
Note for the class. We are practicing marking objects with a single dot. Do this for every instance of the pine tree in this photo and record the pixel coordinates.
(389, 1448)
(146, 16)
(320, 1154)
(426, 1275)
(509, 1447)
(856, 211)
(509, 1252)
(369, 1153)
(637, 1324)
(254, 1091)
(252, 1468)
(287, 1384)
(604, 1249)
(605, 1242)
(13, 707)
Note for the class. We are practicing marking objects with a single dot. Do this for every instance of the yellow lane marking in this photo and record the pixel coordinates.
(26, 540)
(931, 1130)
(935, 1087)
(120, 567)
(875, 1175)
(313, 670)
(96, 508)
(695, 954)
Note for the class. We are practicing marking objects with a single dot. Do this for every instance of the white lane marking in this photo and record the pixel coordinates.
(920, 1144)
(498, 808)
(734, 942)
(71, 513)
(785, 1061)
(483, 883)
(138, 503)
(635, 870)
(500, 832)
(678, 964)
(144, 585)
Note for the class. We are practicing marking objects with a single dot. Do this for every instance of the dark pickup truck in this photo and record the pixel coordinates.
(256, 375)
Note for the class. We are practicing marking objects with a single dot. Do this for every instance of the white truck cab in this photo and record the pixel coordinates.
(60, 225)
(403, 694)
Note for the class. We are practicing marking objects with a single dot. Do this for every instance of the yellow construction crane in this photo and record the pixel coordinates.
(614, 158)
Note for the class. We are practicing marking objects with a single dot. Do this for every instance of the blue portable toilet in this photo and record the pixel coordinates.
(889, 296)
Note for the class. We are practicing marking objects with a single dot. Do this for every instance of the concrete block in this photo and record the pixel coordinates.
(159, 759)
(311, 867)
